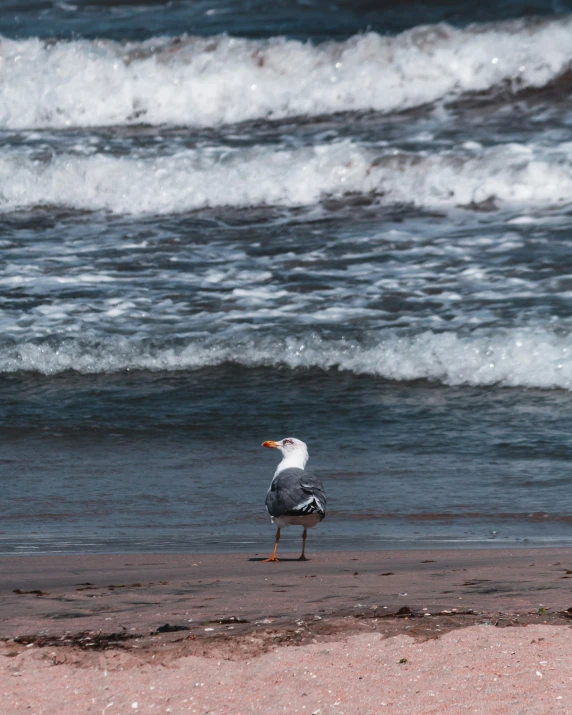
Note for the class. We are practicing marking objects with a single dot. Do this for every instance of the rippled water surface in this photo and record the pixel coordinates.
(223, 224)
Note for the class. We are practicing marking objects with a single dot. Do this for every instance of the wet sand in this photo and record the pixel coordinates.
(233, 621)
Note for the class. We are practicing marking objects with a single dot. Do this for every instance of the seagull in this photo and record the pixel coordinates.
(294, 496)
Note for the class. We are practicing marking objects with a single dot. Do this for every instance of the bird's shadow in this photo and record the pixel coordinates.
(262, 558)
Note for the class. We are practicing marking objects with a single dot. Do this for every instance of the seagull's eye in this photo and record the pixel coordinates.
(287, 441)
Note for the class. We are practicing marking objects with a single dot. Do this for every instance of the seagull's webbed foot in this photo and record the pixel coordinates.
(303, 558)
(273, 556)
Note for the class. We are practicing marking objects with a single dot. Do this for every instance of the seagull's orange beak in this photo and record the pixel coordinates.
(270, 443)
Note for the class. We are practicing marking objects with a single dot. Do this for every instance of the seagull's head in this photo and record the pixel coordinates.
(293, 450)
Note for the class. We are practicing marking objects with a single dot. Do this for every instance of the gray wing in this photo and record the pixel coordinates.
(295, 492)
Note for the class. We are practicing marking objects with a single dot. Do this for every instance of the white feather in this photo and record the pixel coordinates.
(294, 454)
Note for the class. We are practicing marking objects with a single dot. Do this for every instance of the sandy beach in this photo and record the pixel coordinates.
(462, 631)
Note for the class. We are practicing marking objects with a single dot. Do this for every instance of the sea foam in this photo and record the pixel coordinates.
(267, 176)
(510, 358)
(212, 81)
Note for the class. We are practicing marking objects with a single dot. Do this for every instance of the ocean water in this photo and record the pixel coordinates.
(224, 222)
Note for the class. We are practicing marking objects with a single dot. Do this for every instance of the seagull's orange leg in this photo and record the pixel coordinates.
(303, 558)
(273, 557)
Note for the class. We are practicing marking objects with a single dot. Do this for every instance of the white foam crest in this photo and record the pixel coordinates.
(210, 81)
(268, 176)
(187, 181)
(511, 358)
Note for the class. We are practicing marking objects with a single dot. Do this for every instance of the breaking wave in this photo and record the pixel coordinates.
(264, 176)
(211, 81)
(512, 358)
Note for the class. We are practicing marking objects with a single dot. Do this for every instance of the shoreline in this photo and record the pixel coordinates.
(292, 542)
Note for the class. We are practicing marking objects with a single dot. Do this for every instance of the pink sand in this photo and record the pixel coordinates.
(481, 669)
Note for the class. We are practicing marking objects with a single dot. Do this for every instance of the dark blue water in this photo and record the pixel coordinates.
(222, 223)
(300, 19)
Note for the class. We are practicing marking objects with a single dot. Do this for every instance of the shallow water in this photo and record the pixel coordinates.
(340, 226)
